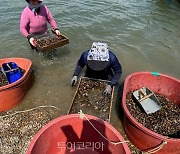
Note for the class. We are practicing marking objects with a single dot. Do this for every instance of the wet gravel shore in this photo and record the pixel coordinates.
(17, 129)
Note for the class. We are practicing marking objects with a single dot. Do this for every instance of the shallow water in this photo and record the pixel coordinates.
(143, 34)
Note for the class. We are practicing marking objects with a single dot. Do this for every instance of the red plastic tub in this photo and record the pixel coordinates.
(71, 134)
(12, 94)
(140, 136)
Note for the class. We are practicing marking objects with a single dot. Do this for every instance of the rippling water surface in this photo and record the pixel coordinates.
(143, 34)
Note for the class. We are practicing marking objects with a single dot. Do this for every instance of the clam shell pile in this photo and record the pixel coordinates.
(3, 79)
(17, 130)
(90, 99)
(165, 121)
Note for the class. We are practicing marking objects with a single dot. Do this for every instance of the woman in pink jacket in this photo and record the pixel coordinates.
(34, 20)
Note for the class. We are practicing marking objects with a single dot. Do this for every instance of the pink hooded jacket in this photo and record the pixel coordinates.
(33, 23)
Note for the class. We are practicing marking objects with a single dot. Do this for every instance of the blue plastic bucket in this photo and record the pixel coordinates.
(11, 71)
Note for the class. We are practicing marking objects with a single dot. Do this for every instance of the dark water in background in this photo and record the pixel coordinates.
(143, 34)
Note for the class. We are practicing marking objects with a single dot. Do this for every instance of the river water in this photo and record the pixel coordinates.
(144, 35)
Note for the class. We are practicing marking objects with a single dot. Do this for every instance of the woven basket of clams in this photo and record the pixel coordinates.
(50, 42)
(90, 99)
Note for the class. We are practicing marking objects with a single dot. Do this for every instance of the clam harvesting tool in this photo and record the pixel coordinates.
(147, 100)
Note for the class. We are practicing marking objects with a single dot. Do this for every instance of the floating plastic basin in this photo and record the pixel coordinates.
(12, 94)
(143, 138)
(70, 134)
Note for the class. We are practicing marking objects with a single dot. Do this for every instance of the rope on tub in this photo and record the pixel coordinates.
(156, 149)
(82, 115)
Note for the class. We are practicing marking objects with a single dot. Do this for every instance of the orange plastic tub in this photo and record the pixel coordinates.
(71, 134)
(12, 94)
(140, 136)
